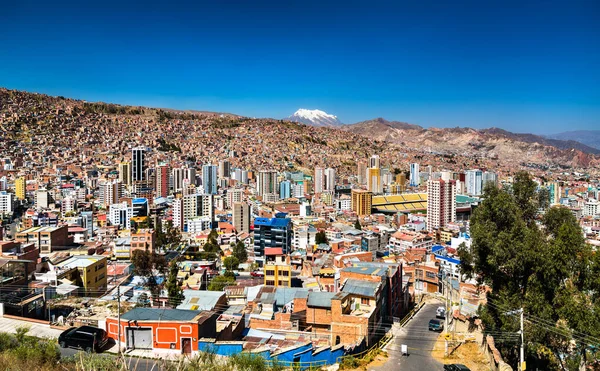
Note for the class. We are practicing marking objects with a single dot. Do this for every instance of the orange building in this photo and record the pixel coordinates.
(163, 330)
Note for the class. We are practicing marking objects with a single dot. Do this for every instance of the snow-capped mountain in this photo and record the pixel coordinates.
(315, 118)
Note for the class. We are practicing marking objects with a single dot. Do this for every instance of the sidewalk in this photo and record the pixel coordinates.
(35, 329)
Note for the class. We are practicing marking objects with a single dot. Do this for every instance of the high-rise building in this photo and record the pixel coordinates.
(241, 217)
(42, 199)
(474, 182)
(488, 177)
(177, 176)
(161, 182)
(266, 182)
(441, 203)
(178, 213)
(3, 184)
(224, 169)
(138, 165)
(140, 206)
(110, 192)
(198, 205)
(374, 180)
(361, 172)
(20, 188)
(319, 180)
(401, 181)
(272, 233)
(125, 173)
(330, 180)
(6, 202)
(209, 179)
(67, 205)
(362, 202)
(374, 162)
(285, 189)
(415, 178)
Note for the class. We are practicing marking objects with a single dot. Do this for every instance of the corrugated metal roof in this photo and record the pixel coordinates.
(157, 314)
(320, 299)
(360, 288)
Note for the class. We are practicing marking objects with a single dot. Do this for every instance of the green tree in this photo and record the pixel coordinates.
(545, 268)
(321, 237)
(219, 282)
(149, 265)
(231, 263)
(174, 289)
(357, 225)
(239, 251)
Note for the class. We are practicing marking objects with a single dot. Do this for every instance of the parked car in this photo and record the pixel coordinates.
(456, 367)
(88, 338)
(440, 312)
(436, 325)
(257, 274)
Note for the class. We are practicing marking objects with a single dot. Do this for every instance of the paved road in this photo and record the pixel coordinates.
(420, 342)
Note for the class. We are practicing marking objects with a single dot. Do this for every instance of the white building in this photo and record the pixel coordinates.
(266, 183)
(344, 203)
(120, 214)
(474, 182)
(415, 178)
(319, 183)
(68, 205)
(198, 224)
(591, 208)
(6, 202)
(330, 180)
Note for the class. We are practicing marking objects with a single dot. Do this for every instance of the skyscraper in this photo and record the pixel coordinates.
(224, 169)
(266, 182)
(474, 182)
(488, 177)
(285, 189)
(362, 202)
(209, 179)
(441, 203)
(177, 176)
(20, 187)
(272, 232)
(162, 181)
(138, 166)
(361, 172)
(125, 173)
(319, 180)
(330, 180)
(374, 162)
(241, 217)
(374, 180)
(110, 192)
(415, 179)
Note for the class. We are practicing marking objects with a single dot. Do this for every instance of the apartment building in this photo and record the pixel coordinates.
(46, 239)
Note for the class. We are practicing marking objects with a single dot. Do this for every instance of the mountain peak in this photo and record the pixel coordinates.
(315, 118)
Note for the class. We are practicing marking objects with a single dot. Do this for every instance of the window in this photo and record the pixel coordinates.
(270, 283)
(365, 301)
(270, 272)
(430, 275)
(285, 273)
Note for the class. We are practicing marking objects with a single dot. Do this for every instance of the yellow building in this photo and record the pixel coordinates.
(20, 188)
(374, 180)
(92, 272)
(362, 202)
(278, 273)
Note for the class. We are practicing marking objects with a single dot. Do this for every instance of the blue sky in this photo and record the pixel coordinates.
(526, 66)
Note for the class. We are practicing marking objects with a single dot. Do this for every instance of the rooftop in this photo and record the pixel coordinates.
(159, 314)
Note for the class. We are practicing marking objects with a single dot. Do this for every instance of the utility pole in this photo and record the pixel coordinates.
(522, 363)
(522, 332)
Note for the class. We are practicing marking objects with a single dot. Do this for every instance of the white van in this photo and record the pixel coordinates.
(440, 312)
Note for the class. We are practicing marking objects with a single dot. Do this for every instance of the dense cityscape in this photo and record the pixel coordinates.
(166, 233)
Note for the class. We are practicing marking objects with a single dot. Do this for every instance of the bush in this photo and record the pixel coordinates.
(7, 341)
